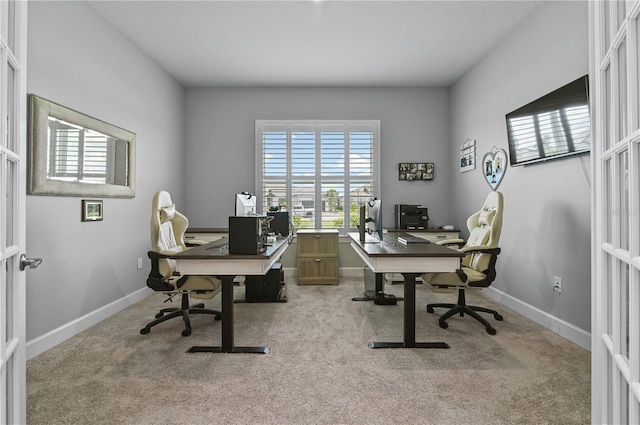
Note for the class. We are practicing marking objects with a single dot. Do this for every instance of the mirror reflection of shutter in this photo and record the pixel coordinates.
(65, 151)
(94, 164)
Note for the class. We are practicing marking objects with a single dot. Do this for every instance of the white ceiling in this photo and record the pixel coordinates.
(315, 43)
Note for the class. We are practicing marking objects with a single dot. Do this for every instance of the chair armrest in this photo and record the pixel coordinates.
(482, 249)
(450, 242)
(156, 281)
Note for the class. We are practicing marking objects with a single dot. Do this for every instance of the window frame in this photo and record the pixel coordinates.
(318, 179)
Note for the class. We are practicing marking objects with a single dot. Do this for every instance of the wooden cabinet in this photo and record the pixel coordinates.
(435, 235)
(317, 257)
(206, 235)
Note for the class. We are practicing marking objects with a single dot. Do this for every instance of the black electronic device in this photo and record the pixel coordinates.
(248, 235)
(411, 217)
(279, 223)
(267, 288)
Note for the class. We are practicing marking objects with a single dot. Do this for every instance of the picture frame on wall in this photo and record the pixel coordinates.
(468, 156)
(91, 210)
(416, 171)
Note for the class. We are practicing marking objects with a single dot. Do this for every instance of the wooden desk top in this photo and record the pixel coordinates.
(392, 248)
(219, 250)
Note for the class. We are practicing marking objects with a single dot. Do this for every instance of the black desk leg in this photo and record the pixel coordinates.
(409, 320)
(227, 326)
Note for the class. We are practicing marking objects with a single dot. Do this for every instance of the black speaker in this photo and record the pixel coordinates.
(265, 288)
(247, 235)
(279, 223)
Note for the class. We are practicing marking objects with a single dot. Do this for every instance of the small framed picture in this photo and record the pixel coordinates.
(91, 210)
(416, 171)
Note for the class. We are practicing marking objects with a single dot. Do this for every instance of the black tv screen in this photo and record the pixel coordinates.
(553, 126)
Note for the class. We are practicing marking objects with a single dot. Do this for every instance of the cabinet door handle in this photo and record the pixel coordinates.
(317, 236)
(317, 260)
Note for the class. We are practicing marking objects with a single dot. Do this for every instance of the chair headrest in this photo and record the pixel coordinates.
(167, 213)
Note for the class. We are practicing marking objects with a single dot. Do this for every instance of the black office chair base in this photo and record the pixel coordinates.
(461, 308)
(185, 312)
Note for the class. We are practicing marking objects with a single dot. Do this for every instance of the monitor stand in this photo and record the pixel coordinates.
(374, 290)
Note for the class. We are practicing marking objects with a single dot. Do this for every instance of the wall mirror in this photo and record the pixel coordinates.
(73, 154)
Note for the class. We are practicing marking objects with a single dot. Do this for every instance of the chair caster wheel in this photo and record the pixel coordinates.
(498, 317)
(186, 332)
(443, 325)
(430, 309)
(218, 317)
(158, 315)
(144, 331)
(491, 331)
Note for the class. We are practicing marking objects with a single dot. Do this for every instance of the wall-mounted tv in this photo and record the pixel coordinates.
(553, 126)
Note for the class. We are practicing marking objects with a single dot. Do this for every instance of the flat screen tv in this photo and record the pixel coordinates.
(554, 126)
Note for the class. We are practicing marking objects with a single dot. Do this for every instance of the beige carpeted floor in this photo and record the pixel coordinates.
(319, 371)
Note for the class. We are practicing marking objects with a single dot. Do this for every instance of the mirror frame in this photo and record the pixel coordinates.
(39, 184)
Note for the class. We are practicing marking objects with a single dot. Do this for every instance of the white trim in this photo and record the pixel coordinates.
(564, 329)
(56, 336)
(554, 324)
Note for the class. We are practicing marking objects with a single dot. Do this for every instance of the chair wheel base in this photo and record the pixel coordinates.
(443, 325)
(145, 331)
(498, 317)
(186, 332)
(491, 331)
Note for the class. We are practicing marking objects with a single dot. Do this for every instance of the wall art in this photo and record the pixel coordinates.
(495, 166)
(416, 171)
(468, 156)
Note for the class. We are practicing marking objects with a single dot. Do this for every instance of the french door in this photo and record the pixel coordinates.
(13, 25)
(614, 30)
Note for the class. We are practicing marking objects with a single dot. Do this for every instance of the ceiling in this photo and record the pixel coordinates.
(315, 43)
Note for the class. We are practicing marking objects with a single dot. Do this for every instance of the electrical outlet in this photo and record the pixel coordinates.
(557, 284)
(139, 263)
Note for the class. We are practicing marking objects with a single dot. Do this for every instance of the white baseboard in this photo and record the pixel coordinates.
(42, 343)
(51, 339)
(564, 329)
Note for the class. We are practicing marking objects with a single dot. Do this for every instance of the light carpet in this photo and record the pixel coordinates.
(320, 369)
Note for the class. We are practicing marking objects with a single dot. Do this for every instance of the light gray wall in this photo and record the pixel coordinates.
(77, 60)
(546, 229)
(220, 141)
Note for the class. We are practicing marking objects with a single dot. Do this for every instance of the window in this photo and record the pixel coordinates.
(321, 172)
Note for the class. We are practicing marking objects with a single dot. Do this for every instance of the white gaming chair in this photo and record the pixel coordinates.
(167, 238)
(478, 265)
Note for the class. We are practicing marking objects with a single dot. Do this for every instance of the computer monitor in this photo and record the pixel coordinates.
(245, 204)
(374, 218)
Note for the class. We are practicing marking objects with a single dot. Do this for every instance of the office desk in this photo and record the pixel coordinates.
(213, 259)
(411, 260)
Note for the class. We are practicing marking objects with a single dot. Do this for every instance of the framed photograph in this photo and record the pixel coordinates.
(416, 171)
(468, 156)
(91, 210)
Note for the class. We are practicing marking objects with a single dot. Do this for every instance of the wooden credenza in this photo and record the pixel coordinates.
(317, 256)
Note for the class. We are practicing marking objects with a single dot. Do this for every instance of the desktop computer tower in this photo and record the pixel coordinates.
(248, 234)
(411, 217)
(279, 224)
(267, 288)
